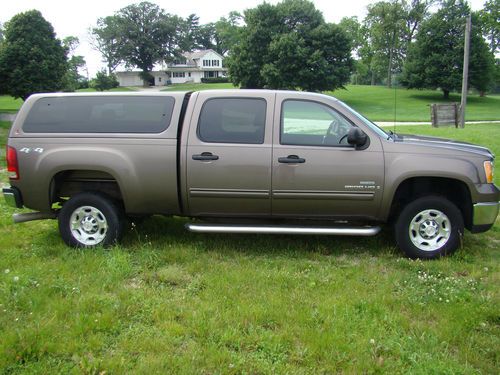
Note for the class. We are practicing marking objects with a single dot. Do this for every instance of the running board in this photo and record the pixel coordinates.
(31, 216)
(339, 231)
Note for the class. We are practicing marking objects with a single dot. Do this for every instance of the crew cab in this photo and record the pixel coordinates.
(241, 161)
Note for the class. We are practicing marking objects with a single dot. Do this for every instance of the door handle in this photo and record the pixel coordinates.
(291, 159)
(204, 156)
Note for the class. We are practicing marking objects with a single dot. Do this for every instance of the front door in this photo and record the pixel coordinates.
(229, 150)
(316, 173)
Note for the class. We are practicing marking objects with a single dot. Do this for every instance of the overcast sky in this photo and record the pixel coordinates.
(69, 17)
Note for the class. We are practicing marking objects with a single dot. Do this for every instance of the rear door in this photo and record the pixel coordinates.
(228, 154)
(315, 172)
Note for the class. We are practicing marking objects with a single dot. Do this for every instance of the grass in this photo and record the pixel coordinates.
(375, 102)
(116, 89)
(9, 104)
(168, 301)
(199, 86)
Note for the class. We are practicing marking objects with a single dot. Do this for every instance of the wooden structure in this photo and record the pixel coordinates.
(445, 114)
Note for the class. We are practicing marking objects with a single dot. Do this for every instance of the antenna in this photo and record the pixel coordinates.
(395, 102)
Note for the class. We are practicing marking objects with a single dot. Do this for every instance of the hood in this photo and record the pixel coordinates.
(444, 143)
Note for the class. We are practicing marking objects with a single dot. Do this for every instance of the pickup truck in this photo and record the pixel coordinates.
(241, 161)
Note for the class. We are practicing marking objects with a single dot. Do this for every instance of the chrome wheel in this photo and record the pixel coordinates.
(88, 225)
(430, 230)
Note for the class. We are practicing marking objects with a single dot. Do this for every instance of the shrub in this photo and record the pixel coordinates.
(215, 80)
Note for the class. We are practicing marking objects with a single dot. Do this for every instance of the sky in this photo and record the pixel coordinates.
(69, 17)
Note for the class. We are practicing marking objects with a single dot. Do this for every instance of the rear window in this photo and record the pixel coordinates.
(100, 114)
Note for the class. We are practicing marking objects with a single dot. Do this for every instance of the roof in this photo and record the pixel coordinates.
(198, 54)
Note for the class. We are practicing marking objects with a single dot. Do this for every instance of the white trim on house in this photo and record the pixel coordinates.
(195, 66)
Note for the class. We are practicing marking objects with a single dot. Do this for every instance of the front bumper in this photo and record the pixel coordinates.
(13, 197)
(484, 216)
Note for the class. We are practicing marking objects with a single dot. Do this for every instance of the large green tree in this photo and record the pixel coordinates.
(145, 36)
(436, 58)
(106, 39)
(73, 80)
(32, 59)
(222, 35)
(490, 23)
(289, 46)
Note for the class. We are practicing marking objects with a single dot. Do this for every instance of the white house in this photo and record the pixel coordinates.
(192, 67)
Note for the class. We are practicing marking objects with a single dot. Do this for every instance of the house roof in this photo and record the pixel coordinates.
(199, 54)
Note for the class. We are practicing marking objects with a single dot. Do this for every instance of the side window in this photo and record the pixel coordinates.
(308, 123)
(100, 114)
(232, 120)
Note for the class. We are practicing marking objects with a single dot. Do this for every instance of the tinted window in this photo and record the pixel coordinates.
(312, 124)
(100, 114)
(233, 120)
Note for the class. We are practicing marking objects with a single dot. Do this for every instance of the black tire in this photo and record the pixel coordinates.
(435, 233)
(99, 221)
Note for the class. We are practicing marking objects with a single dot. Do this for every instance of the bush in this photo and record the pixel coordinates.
(215, 80)
(102, 81)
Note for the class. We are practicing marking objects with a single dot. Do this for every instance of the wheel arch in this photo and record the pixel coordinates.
(455, 190)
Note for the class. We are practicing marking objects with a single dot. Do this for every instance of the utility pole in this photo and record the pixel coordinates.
(465, 76)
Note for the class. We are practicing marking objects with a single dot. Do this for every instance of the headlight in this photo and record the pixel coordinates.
(488, 170)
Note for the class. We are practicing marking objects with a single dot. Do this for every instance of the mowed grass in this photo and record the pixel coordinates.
(378, 103)
(9, 104)
(115, 89)
(169, 301)
(199, 86)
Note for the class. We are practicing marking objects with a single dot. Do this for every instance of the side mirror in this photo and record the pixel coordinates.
(357, 138)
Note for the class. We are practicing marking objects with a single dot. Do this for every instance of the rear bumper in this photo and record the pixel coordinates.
(484, 216)
(13, 197)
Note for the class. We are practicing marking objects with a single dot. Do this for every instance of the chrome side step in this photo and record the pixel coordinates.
(266, 229)
(31, 216)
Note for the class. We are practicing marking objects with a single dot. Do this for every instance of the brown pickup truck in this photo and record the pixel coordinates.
(241, 161)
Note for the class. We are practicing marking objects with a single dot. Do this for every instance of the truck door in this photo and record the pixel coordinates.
(315, 172)
(228, 154)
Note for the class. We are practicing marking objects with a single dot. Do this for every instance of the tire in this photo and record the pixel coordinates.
(91, 219)
(429, 227)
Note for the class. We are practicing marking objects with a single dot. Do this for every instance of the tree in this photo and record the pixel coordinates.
(386, 25)
(32, 59)
(73, 80)
(104, 81)
(189, 33)
(105, 38)
(1, 33)
(227, 32)
(146, 36)
(490, 22)
(436, 58)
(289, 46)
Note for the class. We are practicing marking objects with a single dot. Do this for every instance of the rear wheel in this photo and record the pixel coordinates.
(429, 227)
(89, 220)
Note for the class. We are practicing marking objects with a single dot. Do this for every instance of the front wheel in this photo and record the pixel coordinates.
(90, 219)
(429, 227)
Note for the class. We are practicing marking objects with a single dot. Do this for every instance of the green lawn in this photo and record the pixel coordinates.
(375, 102)
(9, 104)
(116, 89)
(199, 86)
(168, 301)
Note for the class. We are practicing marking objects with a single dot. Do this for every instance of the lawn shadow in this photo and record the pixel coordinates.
(160, 232)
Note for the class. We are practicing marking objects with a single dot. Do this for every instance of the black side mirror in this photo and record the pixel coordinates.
(357, 138)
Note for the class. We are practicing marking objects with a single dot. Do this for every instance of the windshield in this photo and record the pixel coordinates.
(367, 122)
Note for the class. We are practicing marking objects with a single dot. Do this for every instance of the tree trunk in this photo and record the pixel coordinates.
(482, 94)
(446, 94)
(373, 78)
